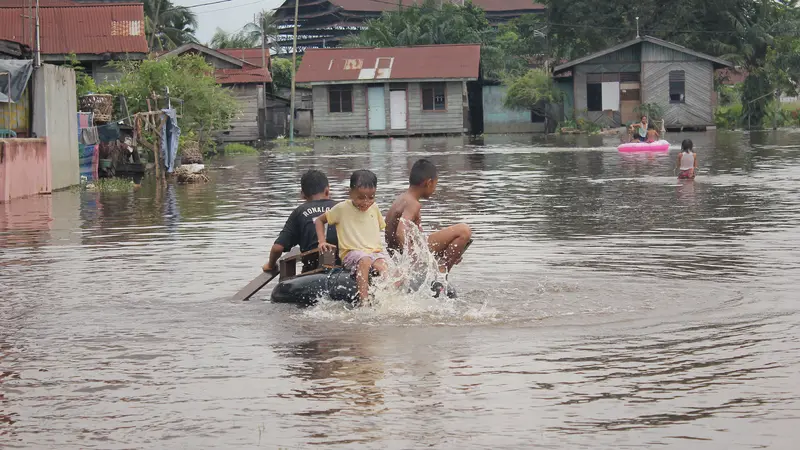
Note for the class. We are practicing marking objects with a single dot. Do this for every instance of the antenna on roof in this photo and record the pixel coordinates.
(637, 27)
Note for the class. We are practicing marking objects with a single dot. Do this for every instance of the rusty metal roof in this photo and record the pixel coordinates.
(92, 29)
(251, 56)
(364, 65)
(243, 76)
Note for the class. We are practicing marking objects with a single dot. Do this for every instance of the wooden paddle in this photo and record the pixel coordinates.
(254, 286)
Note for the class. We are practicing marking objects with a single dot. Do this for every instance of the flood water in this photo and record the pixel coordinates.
(603, 304)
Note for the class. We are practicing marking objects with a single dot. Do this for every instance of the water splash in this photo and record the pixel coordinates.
(405, 294)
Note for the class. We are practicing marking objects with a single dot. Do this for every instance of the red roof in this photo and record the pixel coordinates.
(82, 29)
(251, 56)
(245, 75)
(423, 62)
(385, 5)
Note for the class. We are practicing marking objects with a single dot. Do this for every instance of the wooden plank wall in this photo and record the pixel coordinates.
(244, 127)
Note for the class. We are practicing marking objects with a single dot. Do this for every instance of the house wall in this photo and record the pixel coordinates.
(602, 118)
(499, 119)
(419, 121)
(24, 168)
(55, 116)
(102, 72)
(244, 127)
(698, 110)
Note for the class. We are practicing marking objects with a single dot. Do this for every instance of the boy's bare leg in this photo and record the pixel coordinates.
(362, 278)
(448, 245)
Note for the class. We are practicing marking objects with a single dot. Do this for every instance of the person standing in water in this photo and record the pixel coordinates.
(687, 161)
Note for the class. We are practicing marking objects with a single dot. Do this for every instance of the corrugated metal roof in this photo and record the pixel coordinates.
(86, 29)
(486, 5)
(237, 76)
(362, 65)
(251, 56)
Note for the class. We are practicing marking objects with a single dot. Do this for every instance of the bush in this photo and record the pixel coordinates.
(239, 149)
(728, 117)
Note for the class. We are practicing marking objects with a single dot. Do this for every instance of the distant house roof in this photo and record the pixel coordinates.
(364, 65)
(93, 29)
(679, 48)
(243, 74)
(252, 56)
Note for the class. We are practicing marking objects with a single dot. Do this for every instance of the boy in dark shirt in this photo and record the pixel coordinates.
(299, 228)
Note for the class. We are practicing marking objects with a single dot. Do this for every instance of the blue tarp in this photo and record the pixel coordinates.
(15, 76)
(169, 145)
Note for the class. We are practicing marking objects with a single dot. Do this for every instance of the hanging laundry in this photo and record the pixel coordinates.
(169, 144)
(89, 136)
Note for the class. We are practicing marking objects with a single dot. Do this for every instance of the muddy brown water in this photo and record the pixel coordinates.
(603, 304)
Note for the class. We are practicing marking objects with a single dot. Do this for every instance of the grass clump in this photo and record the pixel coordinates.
(110, 185)
(239, 149)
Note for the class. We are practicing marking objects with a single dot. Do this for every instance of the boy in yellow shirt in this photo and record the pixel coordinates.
(359, 223)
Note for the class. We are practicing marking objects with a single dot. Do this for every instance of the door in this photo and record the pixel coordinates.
(377, 108)
(399, 109)
(630, 99)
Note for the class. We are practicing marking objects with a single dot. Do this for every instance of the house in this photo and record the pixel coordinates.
(324, 23)
(249, 82)
(391, 91)
(95, 33)
(608, 87)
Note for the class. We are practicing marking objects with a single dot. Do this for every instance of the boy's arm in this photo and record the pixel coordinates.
(319, 225)
(285, 241)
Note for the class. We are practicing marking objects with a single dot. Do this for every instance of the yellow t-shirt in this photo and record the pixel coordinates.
(356, 229)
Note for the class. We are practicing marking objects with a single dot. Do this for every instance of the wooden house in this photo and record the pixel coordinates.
(608, 87)
(249, 83)
(395, 91)
(95, 33)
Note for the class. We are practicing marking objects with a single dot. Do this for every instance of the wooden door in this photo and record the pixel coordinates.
(377, 108)
(399, 109)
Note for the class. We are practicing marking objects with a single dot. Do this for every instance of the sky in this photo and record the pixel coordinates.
(230, 16)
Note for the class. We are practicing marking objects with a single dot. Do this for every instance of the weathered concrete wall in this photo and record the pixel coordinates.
(24, 168)
(499, 119)
(55, 116)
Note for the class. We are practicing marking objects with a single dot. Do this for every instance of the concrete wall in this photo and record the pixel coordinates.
(499, 119)
(55, 116)
(355, 123)
(24, 168)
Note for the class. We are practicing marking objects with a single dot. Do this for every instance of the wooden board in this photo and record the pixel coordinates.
(254, 286)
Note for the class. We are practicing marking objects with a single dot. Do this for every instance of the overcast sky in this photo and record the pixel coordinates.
(230, 16)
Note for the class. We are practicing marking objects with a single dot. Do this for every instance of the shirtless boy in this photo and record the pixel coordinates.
(449, 244)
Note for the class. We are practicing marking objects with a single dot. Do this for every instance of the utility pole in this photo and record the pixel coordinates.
(38, 57)
(262, 27)
(294, 65)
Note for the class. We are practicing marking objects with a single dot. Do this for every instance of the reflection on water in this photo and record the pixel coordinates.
(603, 304)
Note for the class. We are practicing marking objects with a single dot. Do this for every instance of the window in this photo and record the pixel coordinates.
(340, 99)
(433, 97)
(594, 96)
(677, 86)
(538, 113)
(630, 95)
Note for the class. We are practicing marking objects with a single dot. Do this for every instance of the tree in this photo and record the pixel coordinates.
(533, 91)
(168, 26)
(265, 28)
(206, 106)
(240, 39)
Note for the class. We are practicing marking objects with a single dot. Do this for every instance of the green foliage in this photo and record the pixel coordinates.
(265, 27)
(168, 26)
(653, 111)
(240, 39)
(84, 83)
(207, 106)
(110, 185)
(532, 91)
(282, 72)
(728, 117)
(235, 148)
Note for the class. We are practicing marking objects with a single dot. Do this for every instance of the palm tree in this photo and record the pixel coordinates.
(240, 39)
(168, 26)
(265, 27)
